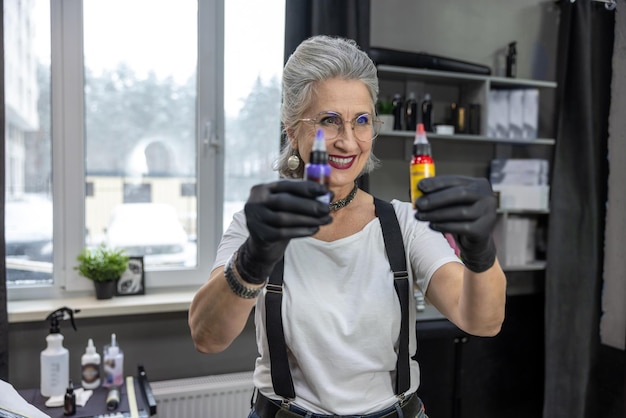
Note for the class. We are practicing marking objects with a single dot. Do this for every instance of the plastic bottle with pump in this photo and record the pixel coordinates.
(113, 364)
(90, 367)
(317, 169)
(422, 164)
(511, 60)
(55, 359)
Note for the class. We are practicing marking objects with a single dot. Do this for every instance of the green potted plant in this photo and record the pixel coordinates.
(384, 108)
(104, 266)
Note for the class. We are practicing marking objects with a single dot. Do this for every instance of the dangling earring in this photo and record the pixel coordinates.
(293, 162)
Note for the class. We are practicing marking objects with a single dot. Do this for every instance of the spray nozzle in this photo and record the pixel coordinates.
(60, 315)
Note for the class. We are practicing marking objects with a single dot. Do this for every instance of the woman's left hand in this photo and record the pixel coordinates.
(465, 207)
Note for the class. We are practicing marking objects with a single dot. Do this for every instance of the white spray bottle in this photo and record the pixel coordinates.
(55, 359)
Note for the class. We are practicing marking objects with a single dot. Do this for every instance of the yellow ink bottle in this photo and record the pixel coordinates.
(422, 164)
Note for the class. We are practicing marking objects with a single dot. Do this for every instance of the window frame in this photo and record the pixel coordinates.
(68, 136)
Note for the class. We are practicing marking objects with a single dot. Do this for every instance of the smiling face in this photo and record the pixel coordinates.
(346, 154)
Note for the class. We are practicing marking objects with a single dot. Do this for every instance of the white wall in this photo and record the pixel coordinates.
(471, 30)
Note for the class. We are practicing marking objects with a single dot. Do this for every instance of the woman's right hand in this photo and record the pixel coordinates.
(275, 213)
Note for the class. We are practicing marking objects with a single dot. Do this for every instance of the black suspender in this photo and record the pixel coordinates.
(394, 246)
(279, 363)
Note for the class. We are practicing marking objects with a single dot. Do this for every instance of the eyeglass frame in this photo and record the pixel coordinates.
(341, 129)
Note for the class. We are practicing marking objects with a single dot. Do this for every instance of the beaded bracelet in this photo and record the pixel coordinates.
(236, 284)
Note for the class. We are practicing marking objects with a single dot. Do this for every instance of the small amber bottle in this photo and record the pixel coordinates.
(69, 402)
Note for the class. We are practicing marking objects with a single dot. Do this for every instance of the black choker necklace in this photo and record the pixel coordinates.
(342, 203)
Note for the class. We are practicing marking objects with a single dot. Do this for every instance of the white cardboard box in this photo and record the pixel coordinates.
(531, 114)
(521, 171)
(514, 238)
(521, 197)
(516, 113)
(498, 114)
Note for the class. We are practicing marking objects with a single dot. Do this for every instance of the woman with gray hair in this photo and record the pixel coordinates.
(332, 284)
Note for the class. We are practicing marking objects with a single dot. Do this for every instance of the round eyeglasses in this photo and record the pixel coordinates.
(365, 126)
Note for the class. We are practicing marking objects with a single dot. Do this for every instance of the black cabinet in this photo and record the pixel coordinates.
(464, 376)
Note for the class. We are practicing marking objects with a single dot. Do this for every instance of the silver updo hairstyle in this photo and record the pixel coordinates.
(317, 59)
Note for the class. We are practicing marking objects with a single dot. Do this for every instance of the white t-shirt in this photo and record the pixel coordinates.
(341, 314)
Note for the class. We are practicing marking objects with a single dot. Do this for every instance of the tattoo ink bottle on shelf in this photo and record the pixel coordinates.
(410, 112)
(427, 113)
(398, 109)
(317, 169)
(422, 164)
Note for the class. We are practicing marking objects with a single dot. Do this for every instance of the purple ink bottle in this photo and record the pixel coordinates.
(317, 169)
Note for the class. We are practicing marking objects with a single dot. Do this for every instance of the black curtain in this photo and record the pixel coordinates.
(577, 218)
(4, 317)
(345, 18)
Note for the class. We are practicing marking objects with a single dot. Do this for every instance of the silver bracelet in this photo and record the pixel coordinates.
(236, 284)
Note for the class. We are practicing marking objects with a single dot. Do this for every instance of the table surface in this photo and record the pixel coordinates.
(95, 406)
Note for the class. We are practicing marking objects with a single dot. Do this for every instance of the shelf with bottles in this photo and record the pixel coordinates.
(390, 72)
(455, 93)
(434, 76)
(467, 137)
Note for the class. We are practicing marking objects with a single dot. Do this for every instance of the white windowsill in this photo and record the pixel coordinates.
(90, 307)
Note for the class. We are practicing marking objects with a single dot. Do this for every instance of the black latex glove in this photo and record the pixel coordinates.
(466, 208)
(275, 213)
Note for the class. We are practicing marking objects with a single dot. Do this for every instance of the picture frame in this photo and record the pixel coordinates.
(132, 281)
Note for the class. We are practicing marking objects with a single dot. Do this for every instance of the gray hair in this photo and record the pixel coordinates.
(317, 59)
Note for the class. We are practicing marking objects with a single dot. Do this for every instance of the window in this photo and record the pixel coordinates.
(136, 119)
(28, 193)
(254, 39)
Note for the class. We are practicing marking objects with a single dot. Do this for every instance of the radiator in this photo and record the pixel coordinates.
(217, 396)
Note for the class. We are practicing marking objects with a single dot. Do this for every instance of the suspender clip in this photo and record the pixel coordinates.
(274, 288)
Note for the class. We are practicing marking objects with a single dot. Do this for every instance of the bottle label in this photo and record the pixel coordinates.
(90, 372)
(54, 376)
(418, 172)
(113, 371)
(319, 173)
